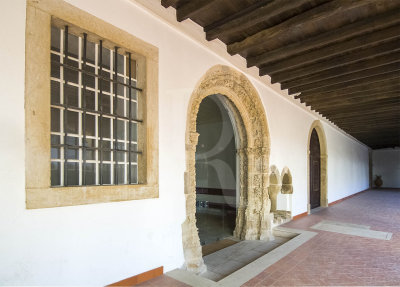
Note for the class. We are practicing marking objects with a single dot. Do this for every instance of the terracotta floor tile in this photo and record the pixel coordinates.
(332, 259)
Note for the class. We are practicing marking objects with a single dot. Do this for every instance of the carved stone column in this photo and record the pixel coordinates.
(240, 216)
(251, 227)
(266, 216)
(190, 236)
(324, 180)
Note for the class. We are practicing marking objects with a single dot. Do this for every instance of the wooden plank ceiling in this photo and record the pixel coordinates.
(341, 57)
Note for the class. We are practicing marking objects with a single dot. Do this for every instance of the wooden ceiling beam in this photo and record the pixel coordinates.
(373, 133)
(167, 3)
(380, 140)
(388, 111)
(374, 125)
(376, 134)
(339, 103)
(370, 134)
(266, 12)
(356, 131)
(389, 136)
(361, 117)
(393, 130)
(241, 20)
(355, 111)
(347, 72)
(361, 82)
(381, 69)
(325, 86)
(392, 82)
(380, 145)
(354, 100)
(393, 141)
(190, 8)
(331, 53)
(374, 92)
(368, 25)
(358, 107)
(332, 14)
(352, 129)
(357, 56)
(373, 121)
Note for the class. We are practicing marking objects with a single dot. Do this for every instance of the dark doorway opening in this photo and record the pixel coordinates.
(315, 168)
(216, 193)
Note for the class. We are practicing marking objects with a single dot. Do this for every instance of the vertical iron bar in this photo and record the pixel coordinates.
(100, 109)
(130, 117)
(65, 100)
(83, 105)
(115, 113)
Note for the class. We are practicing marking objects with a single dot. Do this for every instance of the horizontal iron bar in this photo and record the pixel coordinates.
(96, 75)
(92, 148)
(97, 112)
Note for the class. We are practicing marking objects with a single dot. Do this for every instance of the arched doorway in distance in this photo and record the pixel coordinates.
(317, 163)
(315, 167)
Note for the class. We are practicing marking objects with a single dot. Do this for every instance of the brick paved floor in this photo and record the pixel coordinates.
(332, 259)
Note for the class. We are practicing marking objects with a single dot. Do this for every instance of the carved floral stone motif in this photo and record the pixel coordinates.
(253, 220)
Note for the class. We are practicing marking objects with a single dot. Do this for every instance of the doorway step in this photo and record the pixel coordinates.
(228, 260)
(234, 266)
(221, 244)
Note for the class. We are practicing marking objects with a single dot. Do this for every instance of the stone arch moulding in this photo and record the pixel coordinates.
(324, 164)
(253, 220)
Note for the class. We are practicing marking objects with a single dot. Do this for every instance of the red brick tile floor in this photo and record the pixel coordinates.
(333, 259)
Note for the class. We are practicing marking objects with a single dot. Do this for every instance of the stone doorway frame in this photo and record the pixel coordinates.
(253, 220)
(324, 164)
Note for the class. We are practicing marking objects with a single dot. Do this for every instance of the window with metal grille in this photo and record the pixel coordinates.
(94, 112)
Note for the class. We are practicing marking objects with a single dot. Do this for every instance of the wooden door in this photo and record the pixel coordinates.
(315, 168)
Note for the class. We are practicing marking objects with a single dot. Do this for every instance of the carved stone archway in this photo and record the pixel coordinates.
(324, 163)
(253, 220)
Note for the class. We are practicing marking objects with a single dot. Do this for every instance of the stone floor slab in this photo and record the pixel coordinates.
(351, 229)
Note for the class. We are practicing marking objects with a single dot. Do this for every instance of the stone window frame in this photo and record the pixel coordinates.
(39, 194)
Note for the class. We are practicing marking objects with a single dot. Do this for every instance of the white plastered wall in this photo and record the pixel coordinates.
(102, 243)
(386, 162)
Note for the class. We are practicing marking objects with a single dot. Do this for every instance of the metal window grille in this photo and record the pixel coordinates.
(94, 110)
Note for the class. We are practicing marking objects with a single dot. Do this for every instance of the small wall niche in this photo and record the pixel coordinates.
(274, 186)
(287, 187)
(283, 190)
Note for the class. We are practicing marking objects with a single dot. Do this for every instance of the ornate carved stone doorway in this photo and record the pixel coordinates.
(253, 220)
